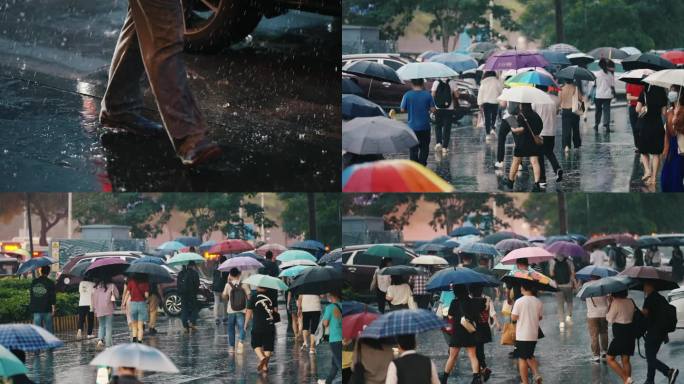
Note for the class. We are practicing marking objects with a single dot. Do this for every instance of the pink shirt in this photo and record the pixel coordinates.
(102, 299)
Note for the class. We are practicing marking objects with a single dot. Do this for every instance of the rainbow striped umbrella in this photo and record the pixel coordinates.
(392, 176)
(530, 79)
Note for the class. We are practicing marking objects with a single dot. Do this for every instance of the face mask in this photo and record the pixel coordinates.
(512, 107)
(672, 96)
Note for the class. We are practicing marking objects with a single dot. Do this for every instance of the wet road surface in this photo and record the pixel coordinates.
(606, 162)
(201, 357)
(271, 101)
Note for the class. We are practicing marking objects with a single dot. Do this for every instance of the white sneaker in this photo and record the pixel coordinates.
(438, 147)
(499, 164)
(596, 359)
(78, 334)
(561, 325)
(568, 320)
(91, 336)
(231, 350)
(100, 344)
(240, 348)
(487, 138)
(629, 381)
(567, 149)
(320, 381)
(445, 151)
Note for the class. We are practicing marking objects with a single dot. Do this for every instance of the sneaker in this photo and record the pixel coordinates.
(312, 351)
(486, 372)
(561, 325)
(78, 334)
(100, 344)
(487, 138)
(499, 164)
(603, 357)
(596, 358)
(568, 320)
(152, 331)
(629, 381)
(135, 340)
(537, 379)
(445, 151)
(566, 149)
(536, 187)
(672, 376)
(438, 146)
(240, 348)
(321, 381)
(193, 327)
(559, 176)
(542, 184)
(231, 350)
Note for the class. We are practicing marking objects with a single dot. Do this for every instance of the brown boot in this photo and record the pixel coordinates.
(197, 149)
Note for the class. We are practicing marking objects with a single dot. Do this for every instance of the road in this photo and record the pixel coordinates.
(271, 101)
(202, 357)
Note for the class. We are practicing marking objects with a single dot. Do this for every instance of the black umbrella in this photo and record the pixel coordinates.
(574, 72)
(662, 279)
(373, 70)
(608, 53)
(580, 59)
(356, 106)
(79, 269)
(647, 61)
(400, 270)
(155, 273)
(350, 87)
(647, 241)
(317, 281)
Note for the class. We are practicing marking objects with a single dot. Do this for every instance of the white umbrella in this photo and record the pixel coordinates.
(425, 70)
(631, 50)
(288, 264)
(635, 74)
(134, 355)
(526, 95)
(429, 260)
(376, 135)
(666, 78)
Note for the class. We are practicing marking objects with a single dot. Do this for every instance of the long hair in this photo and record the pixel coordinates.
(603, 64)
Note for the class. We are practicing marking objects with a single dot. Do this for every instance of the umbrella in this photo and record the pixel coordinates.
(660, 277)
(251, 254)
(566, 248)
(426, 70)
(317, 281)
(513, 72)
(608, 53)
(373, 71)
(135, 355)
(374, 254)
(647, 241)
(265, 281)
(514, 59)
(79, 269)
(562, 48)
(402, 322)
(293, 271)
(526, 95)
(108, 266)
(392, 176)
(646, 61)
(462, 240)
(503, 235)
(590, 271)
(532, 254)
(580, 59)
(350, 87)
(531, 78)
(27, 337)
(185, 258)
(189, 241)
(230, 246)
(631, 50)
(295, 254)
(446, 278)
(533, 279)
(555, 58)
(602, 241)
(276, 249)
(440, 240)
(605, 286)
(465, 230)
(356, 106)
(666, 78)
(479, 248)
(425, 56)
(376, 135)
(430, 247)
(241, 263)
(34, 263)
(429, 260)
(482, 47)
(353, 325)
(149, 259)
(675, 57)
(206, 245)
(507, 245)
(10, 365)
(536, 239)
(294, 263)
(309, 245)
(455, 61)
(171, 246)
(399, 270)
(350, 307)
(574, 73)
(330, 258)
(155, 272)
(635, 76)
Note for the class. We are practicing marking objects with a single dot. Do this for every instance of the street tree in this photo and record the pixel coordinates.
(50, 208)
(395, 208)
(296, 216)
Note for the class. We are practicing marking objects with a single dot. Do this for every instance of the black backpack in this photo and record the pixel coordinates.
(561, 272)
(443, 97)
(238, 297)
(668, 319)
(639, 322)
(181, 283)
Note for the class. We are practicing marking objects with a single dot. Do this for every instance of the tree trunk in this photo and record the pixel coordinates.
(562, 214)
(30, 227)
(560, 32)
(311, 200)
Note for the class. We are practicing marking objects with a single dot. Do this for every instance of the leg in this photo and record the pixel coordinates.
(633, 123)
(652, 345)
(549, 145)
(522, 369)
(153, 307)
(559, 306)
(91, 322)
(453, 355)
(108, 330)
(232, 322)
(184, 312)
(474, 363)
(504, 130)
(616, 367)
(536, 169)
(534, 366)
(380, 295)
(627, 366)
(48, 322)
(592, 324)
(515, 164)
(449, 116)
(424, 142)
(240, 321)
(576, 138)
(140, 329)
(413, 152)
(655, 165)
(646, 163)
(439, 122)
(82, 311)
(603, 334)
(606, 113)
(336, 361)
(567, 292)
(597, 114)
(101, 328)
(566, 127)
(479, 352)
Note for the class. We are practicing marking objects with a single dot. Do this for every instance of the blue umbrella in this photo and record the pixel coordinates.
(171, 246)
(464, 231)
(351, 307)
(349, 86)
(251, 254)
(440, 240)
(294, 271)
(402, 322)
(444, 279)
(313, 245)
(330, 258)
(206, 245)
(456, 61)
(590, 271)
(605, 286)
(430, 247)
(479, 248)
(149, 259)
(189, 241)
(35, 263)
(356, 106)
(555, 58)
(27, 337)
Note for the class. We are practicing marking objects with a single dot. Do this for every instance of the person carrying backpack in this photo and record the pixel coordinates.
(264, 315)
(661, 319)
(217, 286)
(236, 294)
(563, 271)
(445, 94)
(187, 285)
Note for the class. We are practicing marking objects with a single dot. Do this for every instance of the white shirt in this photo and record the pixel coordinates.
(392, 371)
(605, 82)
(621, 311)
(85, 291)
(548, 113)
(400, 294)
(529, 311)
(311, 303)
(597, 307)
(490, 90)
(454, 90)
(383, 281)
(598, 258)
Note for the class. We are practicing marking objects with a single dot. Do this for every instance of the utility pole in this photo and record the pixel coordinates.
(69, 206)
(560, 33)
(562, 214)
(28, 219)
(311, 200)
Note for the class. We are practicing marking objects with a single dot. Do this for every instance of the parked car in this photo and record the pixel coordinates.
(359, 276)
(676, 298)
(171, 302)
(8, 265)
(214, 24)
(392, 60)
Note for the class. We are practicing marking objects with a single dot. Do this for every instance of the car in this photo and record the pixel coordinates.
(676, 298)
(359, 276)
(211, 25)
(171, 302)
(9, 265)
(392, 60)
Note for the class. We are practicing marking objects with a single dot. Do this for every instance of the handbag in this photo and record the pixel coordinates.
(506, 308)
(538, 140)
(508, 334)
(578, 106)
(467, 324)
(480, 119)
(644, 108)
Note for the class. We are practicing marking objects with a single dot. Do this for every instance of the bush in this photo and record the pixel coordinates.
(15, 283)
(14, 300)
(67, 304)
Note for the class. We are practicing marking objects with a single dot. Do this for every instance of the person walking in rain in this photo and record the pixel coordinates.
(399, 294)
(410, 366)
(488, 100)
(548, 113)
(151, 43)
(85, 308)
(270, 267)
(380, 283)
(672, 175)
(651, 108)
(620, 314)
(563, 272)
(605, 92)
(570, 96)
(103, 298)
(445, 95)
(633, 91)
(483, 332)
(418, 282)
(655, 310)
(372, 357)
(43, 299)
(139, 292)
(153, 306)
(597, 309)
(262, 312)
(187, 285)
(332, 321)
(527, 314)
(419, 103)
(463, 307)
(218, 284)
(527, 125)
(309, 310)
(236, 295)
(677, 263)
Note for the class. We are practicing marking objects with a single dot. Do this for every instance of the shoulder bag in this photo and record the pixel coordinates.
(536, 138)
(644, 108)
(465, 322)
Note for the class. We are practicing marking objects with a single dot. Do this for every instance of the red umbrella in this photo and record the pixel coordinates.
(353, 325)
(277, 249)
(617, 238)
(230, 246)
(676, 57)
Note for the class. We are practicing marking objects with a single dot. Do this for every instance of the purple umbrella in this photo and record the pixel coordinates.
(108, 266)
(241, 263)
(507, 245)
(514, 59)
(567, 248)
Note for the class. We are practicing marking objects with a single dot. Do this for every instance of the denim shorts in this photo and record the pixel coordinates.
(138, 310)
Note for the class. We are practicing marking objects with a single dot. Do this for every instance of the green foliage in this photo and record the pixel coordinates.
(14, 300)
(67, 304)
(392, 16)
(15, 283)
(296, 216)
(395, 208)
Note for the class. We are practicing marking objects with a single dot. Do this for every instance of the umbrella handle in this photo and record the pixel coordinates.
(370, 85)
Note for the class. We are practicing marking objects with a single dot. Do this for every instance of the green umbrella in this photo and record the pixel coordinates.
(185, 258)
(265, 281)
(295, 254)
(374, 254)
(10, 365)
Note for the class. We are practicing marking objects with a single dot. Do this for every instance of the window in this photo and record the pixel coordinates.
(393, 64)
(345, 256)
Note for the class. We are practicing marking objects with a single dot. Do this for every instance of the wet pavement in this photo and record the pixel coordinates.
(201, 357)
(271, 101)
(564, 357)
(606, 162)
